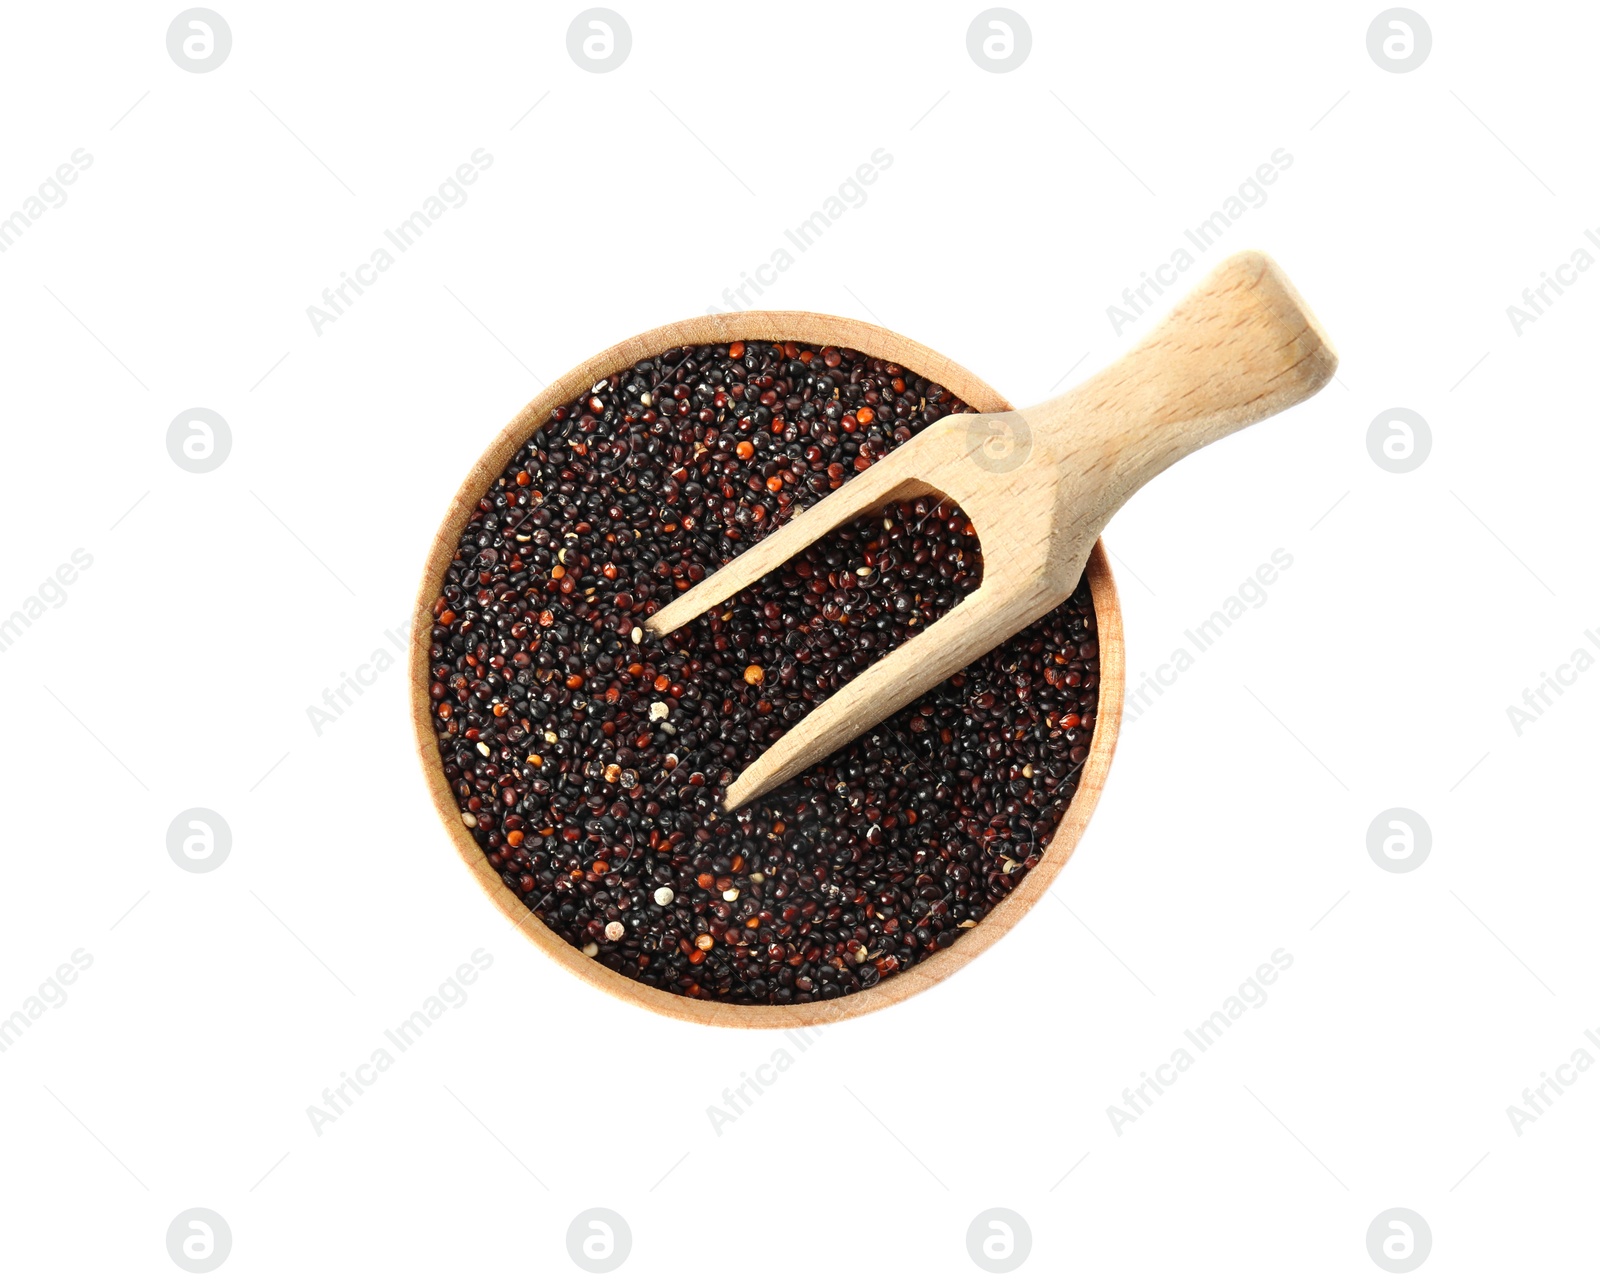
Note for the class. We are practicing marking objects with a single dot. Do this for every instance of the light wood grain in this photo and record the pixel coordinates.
(1039, 486)
(814, 330)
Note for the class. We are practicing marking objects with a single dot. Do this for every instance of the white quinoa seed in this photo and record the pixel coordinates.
(468, 819)
(664, 895)
(615, 930)
(637, 635)
(658, 711)
(591, 948)
(484, 748)
(730, 894)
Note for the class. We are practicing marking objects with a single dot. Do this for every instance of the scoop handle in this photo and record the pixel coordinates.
(1242, 347)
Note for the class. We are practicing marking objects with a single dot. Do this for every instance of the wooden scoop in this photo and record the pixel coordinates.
(1039, 485)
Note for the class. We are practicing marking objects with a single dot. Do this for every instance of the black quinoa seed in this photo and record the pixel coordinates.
(589, 758)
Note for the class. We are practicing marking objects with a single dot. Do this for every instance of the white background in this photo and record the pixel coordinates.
(177, 673)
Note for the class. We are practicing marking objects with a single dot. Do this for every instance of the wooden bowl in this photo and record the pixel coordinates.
(815, 331)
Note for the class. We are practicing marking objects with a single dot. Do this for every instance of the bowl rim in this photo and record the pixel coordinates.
(817, 330)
